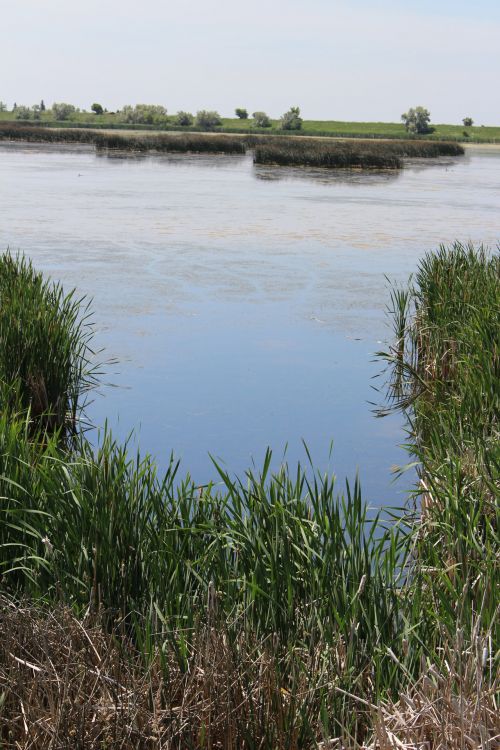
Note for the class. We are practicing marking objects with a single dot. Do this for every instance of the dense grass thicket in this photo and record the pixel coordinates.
(348, 154)
(445, 371)
(327, 128)
(159, 142)
(141, 610)
(46, 361)
(322, 153)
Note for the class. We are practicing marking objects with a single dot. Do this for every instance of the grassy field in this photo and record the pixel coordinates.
(332, 128)
(140, 610)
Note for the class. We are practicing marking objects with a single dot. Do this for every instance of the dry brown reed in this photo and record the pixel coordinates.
(67, 682)
(452, 710)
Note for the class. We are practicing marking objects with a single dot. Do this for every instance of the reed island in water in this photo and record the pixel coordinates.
(283, 151)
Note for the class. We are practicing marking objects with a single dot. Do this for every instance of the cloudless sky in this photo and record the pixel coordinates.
(358, 60)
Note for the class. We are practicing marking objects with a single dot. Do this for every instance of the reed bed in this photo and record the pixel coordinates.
(444, 370)
(172, 143)
(68, 678)
(285, 151)
(272, 611)
(332, 155)
(163, 142)
(47, 365)
(37, 134)
(421, 149)
(348, 154)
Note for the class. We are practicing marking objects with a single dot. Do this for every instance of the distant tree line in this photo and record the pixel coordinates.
(416, 120)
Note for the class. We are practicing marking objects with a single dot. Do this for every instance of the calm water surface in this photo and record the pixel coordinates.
(243, 305)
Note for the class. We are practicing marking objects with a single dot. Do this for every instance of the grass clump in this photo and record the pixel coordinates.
(46, 362)
(445, 374)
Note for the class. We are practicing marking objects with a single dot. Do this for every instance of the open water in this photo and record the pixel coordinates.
(243, 305)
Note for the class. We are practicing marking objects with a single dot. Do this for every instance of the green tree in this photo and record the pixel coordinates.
(241, 113)
(23, 113)
(291, 120)
(97, 108)
(208, 119)
(184, 118)
(468, 122)
(3, 107)
(417, 120)
(42, 106)
(261, 120)
(62, 111)
(146, 114)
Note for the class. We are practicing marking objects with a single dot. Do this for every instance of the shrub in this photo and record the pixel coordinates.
(417, 120)
(146, 114)
(23, 113)
(291, 120)
(261, 120)
(62, 111)
(97, 108)
(468, 122)
(184, 118)
(241, 113)
(208, 119)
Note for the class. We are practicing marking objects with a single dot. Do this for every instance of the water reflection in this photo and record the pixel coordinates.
(323, 176)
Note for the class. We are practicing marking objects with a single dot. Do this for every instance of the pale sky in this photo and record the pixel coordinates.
(358, 60)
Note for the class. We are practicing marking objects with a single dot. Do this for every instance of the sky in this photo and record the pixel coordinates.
(359, 60)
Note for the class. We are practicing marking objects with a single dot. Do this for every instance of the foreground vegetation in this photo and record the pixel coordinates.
(313, 152)
(141, 610)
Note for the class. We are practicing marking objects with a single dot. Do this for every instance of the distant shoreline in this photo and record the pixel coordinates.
(236, 127)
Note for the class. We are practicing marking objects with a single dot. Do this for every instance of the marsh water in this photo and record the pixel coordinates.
(243, 305)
